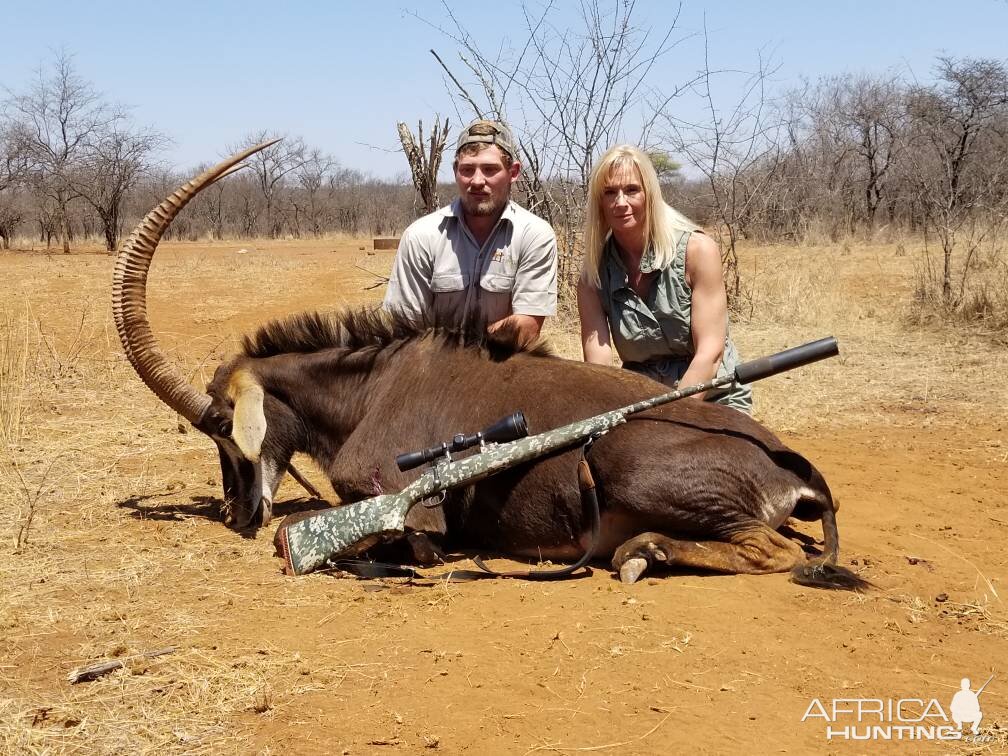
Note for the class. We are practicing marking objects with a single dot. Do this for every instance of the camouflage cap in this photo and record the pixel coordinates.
(482, 131)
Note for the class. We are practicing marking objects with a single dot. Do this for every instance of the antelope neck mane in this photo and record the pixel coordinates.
(371, 330)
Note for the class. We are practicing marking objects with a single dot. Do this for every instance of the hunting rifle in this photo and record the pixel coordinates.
(311, 542)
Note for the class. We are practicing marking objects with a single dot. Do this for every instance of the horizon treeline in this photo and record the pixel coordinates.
(843, 156)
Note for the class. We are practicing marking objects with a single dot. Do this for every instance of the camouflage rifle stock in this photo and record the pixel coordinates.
(309, 543)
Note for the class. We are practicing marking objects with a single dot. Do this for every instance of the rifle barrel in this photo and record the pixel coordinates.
(747, 372)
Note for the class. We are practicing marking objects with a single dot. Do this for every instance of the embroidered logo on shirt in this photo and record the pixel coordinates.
(498, 255)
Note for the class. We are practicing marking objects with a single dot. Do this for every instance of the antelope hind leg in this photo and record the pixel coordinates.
(757, 549)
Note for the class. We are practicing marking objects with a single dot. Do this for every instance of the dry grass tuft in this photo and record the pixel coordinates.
(979, 615)
(14, 350)
(981, 302)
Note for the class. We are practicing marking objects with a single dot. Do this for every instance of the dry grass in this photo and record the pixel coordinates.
(128, 711)
(981, 615)
(14, 350)
(980, 302)
(891, 370)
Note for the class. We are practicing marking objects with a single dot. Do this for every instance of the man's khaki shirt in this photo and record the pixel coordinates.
(440, 272)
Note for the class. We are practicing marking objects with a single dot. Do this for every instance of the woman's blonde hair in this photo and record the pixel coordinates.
(662, 220)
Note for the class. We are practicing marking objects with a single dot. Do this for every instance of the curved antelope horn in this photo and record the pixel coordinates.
(129, 295)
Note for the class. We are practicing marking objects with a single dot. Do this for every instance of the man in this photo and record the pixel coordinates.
(483, 256)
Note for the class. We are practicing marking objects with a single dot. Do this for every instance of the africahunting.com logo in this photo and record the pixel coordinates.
(905, 718)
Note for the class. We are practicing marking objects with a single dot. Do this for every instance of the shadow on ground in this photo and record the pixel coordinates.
(149, 507)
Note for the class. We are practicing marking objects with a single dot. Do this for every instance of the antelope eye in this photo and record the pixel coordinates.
(225, 428)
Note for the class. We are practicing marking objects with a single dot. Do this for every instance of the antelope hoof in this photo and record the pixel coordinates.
(632, 569)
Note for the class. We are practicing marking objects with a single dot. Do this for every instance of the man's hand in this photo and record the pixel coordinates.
(524, 329)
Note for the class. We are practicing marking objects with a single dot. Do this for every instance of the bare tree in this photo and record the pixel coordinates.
(12, 213)
(247, 206)
(873, 110)
(208, 205)
(861, 118)
(54, 122)
(111, 163)
(737, 151)
(343, 192)
(46, 216)
(311, 177)
(951, 122)
(271, 167)
(13, 168)
(13, 161)
(425, 160)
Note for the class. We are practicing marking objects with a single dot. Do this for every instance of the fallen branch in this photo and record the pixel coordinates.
(94, 671)
(382, 280)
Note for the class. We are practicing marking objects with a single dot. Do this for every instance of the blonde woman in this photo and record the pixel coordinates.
(651, 285)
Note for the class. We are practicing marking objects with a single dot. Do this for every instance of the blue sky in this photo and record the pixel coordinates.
(340, 74)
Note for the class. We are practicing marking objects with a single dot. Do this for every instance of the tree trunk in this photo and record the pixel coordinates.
(423, 166)
(64, 224)
(111, 232)
(947, 244)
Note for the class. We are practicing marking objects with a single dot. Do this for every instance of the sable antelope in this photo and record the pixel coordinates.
(689, 484)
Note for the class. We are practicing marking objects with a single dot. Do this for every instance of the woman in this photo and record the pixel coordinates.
(653, 280)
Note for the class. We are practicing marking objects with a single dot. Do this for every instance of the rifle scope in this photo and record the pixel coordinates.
(506, 429)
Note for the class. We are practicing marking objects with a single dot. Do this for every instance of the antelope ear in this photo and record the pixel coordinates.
(249, 423)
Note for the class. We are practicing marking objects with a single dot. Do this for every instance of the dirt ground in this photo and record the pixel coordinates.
(112, 546)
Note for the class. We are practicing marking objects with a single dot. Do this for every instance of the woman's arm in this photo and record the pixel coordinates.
(594, 325)
(708, 309)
